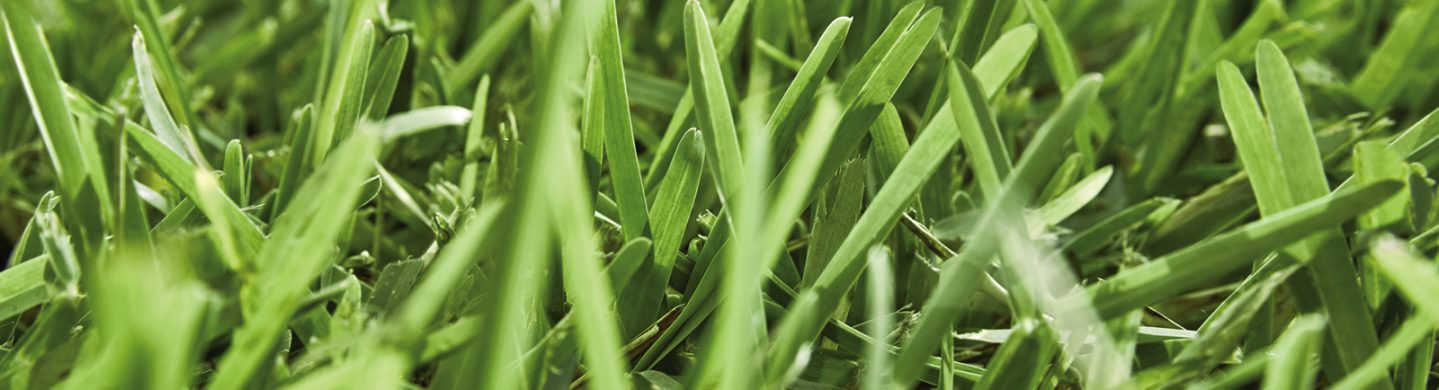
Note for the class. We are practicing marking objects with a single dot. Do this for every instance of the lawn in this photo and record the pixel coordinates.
(719, 194)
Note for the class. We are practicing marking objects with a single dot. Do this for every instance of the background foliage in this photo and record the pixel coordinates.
(719, 194)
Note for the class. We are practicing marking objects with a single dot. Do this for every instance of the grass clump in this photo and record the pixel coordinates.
(719, 194)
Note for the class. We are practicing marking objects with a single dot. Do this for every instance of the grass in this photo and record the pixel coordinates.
(724, 194)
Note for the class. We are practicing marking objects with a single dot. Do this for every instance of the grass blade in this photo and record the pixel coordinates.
(178, 139)
(73, 153)
(881, 289)
(798, 97)
(674, 203)
(181, 174)
(820, 301)
(1182, 270)
(618, 130)
(712, 106)
(1292, 366)
(478, 59)
(982, 141)
(297, 254)
(1330, 280)
(469, 178)
(339, 109)
(22, 287)
(1392, 64)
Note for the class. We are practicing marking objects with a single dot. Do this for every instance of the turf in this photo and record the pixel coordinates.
(729, 194)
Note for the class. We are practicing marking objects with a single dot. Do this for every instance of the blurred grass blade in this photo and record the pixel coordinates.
(550, 201)
(474, 134)
(1293, 365)
(422, 119)
(384, 76)
(1392, 65)
(1020, 360)
(1414, 277)
(1413, 332)
(480, 57)
(958, 275)
(22, 287)
(881, 299)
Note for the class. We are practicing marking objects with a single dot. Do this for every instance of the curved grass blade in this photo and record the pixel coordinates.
(876, 89)
(864, 69)
(1392, 65)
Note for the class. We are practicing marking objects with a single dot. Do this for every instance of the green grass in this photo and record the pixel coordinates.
(728, 194)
